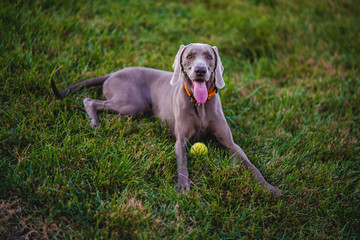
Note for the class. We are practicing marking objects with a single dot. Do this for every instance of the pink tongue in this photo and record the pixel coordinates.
(200, 92)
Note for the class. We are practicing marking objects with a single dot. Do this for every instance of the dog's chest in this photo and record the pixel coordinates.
(201, 122)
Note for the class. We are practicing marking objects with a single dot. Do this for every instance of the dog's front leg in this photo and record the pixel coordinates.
(236, 152)
(222, 132)
(181, 159)
(183, 132)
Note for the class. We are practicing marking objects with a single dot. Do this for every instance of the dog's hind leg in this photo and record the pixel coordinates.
(92, 106)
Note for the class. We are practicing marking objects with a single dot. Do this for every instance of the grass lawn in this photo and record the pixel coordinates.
(292, 100)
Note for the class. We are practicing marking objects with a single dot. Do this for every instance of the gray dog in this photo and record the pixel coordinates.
(186, 99)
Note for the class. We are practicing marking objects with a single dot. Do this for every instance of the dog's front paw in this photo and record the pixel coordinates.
(183, 186)
(274, 190)
(94, 123)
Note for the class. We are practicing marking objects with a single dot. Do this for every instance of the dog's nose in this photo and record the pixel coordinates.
(200, 71)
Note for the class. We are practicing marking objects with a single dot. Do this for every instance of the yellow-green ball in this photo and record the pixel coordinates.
(198, 149)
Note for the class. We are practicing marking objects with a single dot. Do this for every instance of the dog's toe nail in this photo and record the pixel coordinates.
(185, 190)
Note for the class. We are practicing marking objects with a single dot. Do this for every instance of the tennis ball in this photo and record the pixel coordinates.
(198, 149)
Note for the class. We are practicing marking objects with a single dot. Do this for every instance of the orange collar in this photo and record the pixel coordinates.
(211, 92)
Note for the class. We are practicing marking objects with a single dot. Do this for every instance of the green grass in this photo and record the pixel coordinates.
(291, 98)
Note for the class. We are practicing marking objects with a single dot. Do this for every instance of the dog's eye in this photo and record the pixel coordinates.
(209, 57)
(189, 56)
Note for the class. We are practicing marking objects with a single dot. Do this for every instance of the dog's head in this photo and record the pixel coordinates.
(198, 64)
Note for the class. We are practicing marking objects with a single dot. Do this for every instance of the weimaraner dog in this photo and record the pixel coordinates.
(186, 99)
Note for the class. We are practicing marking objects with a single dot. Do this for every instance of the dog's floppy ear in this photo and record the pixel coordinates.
(219, 81)
(177, 75)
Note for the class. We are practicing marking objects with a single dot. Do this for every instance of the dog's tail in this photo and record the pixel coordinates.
(87, 83)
